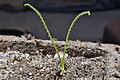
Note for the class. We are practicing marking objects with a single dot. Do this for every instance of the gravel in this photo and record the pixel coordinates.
(35, 59)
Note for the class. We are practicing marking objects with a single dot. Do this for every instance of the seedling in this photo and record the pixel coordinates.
(51, 38)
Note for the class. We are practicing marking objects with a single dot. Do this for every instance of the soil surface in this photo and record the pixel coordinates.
(24, 58)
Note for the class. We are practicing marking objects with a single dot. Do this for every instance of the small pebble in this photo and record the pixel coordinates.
(61, 55)
(37, 51)
(30, 73)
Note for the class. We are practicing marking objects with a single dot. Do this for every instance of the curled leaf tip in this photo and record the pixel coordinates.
(26, 4)
(88, 12)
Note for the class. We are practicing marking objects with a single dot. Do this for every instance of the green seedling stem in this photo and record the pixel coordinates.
(51, 38)
(69, 30)
(45, 26)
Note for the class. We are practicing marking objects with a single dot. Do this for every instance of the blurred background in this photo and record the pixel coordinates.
(102, 25)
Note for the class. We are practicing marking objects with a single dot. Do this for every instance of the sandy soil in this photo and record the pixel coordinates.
(34, 59)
